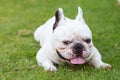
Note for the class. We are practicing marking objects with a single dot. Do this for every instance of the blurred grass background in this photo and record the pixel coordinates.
(19, 19)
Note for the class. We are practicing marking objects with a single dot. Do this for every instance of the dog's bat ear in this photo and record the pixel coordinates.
(80, 15)
(59, 18)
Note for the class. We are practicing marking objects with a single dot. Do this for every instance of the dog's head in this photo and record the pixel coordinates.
(72, 38)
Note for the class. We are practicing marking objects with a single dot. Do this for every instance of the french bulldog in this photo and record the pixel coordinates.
(66, 40)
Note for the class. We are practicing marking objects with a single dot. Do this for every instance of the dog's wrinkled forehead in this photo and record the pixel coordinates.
(66, 27)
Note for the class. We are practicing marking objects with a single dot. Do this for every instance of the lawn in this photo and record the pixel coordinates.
(20, 18)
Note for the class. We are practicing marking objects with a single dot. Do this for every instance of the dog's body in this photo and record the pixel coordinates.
(66, 40)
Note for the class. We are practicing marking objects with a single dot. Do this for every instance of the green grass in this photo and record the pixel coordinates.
(19, 19)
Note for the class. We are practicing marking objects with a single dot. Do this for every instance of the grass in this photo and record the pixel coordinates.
(19, 19)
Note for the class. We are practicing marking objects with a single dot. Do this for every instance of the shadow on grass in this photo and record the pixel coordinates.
(70, 67)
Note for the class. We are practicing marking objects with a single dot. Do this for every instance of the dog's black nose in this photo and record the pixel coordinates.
(78, 48)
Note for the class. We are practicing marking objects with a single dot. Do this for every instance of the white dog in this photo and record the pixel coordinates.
(66, 40)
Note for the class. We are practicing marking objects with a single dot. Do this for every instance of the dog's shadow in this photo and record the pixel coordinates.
(70, 67)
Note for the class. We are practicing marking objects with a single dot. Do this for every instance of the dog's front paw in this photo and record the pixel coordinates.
(105, 66)
(49, 67)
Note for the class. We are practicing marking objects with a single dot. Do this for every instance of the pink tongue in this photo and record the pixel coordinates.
(77, 60)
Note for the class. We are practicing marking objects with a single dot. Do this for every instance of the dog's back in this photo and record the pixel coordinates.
(43, 31)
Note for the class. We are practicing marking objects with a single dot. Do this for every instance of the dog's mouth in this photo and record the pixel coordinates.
(79, 59)
(75, 60)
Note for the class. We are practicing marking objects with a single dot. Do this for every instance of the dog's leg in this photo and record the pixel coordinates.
(97, 61)
(42, 60)
(48, 66)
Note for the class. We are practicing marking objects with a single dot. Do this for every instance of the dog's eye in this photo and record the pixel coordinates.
(66, 42)
(87, 41)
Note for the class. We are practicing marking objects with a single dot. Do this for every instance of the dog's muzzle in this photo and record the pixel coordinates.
(77, 49)
(75, 60)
